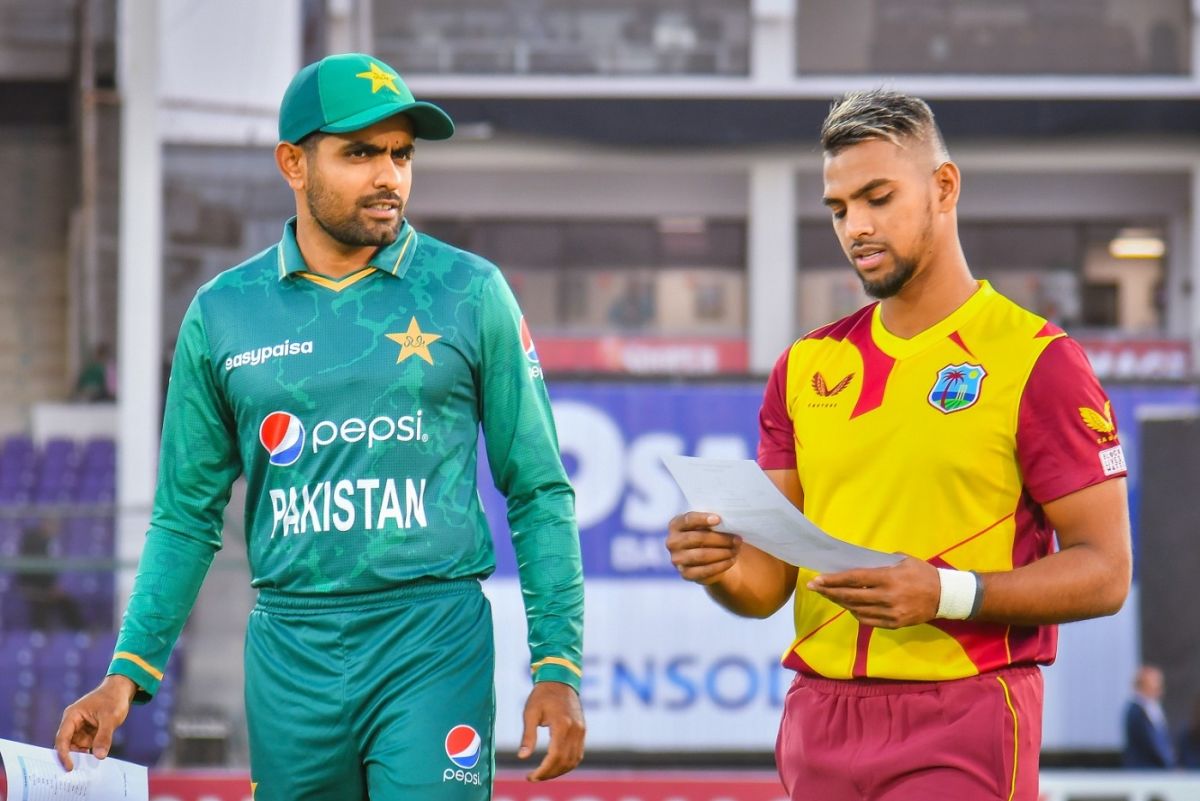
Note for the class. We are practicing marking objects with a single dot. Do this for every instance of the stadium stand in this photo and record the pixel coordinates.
(68, 487)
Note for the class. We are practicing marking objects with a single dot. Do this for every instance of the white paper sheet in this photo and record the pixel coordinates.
(754, 508)
(34, 774)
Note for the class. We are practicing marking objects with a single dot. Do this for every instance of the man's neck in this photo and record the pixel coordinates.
(324, 255)
(930, 296)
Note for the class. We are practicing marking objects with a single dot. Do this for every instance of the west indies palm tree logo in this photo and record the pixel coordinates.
(957, 387)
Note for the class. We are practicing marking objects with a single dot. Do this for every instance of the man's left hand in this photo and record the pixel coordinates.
(904, 594)
(555, 705)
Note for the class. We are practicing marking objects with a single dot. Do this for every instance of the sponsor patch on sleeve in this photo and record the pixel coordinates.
(1112, 460)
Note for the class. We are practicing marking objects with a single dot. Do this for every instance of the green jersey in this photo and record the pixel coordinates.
(353, 408)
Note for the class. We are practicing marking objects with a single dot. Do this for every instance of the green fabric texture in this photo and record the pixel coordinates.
(354, 416)
(393, 689)
(169, 576)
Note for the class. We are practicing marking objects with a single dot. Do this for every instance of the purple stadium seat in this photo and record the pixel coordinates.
(99, 456)
(41, 673)
(15, 495)
(92, 592)
(96, 493)
(14, 613)
(99, 653)
(10, 538)
(17, 655)
(60, 450)
(16, 445)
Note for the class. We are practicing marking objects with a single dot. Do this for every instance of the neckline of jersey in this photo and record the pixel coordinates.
(393, 259)
(900, 348)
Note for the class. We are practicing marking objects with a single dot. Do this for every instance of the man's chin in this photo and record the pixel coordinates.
(381, 234)
(884, 287)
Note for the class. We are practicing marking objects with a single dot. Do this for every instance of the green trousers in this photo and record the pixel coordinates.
(388, 696)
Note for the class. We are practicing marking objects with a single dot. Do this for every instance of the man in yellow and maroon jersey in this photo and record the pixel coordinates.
(948, 424)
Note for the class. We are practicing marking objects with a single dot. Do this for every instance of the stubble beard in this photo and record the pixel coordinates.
(890, 284)
(906, 267)
(348, 228)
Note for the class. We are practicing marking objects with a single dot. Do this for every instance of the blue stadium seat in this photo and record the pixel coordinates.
(42, 672)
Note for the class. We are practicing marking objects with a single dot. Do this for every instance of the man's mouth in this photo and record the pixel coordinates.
(868, 256)
(383, 209)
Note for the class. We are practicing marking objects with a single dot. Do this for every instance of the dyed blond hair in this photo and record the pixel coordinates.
(878, 114)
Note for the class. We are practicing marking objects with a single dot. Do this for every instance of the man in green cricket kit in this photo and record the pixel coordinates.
(346, 372)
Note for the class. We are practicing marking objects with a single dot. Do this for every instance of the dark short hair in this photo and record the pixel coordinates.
(310, 141)
(879, 114)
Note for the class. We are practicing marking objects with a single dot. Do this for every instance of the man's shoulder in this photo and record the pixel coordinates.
(258, 269)
(1004, 317)
(854, 328)
(843, 328)
(439, 255)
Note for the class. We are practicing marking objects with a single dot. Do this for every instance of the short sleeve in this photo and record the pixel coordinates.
(1066, 431)
(776, 434)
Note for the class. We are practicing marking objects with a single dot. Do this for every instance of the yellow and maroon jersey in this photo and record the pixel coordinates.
(943, 446)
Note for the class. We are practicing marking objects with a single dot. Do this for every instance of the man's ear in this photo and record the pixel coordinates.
(948, 181)
(292, 161)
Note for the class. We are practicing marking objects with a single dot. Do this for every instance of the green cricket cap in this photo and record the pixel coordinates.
(351, 91)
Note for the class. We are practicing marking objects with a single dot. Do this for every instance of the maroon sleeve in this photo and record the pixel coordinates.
(1066, 431)
(776, 436)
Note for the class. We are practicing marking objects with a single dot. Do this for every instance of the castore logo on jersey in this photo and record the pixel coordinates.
(822, 388)
(1100, 422)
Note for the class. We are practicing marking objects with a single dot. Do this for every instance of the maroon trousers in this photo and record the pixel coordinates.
(872, 740)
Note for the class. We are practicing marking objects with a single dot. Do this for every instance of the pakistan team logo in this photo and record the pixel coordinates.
(957, 387)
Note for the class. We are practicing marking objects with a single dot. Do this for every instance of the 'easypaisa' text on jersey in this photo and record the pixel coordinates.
(353, 409)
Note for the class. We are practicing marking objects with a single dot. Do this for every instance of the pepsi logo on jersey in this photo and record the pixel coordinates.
(464, 747)
(535, 369)
(282, 434)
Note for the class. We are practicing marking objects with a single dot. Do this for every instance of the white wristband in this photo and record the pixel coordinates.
(959, 588)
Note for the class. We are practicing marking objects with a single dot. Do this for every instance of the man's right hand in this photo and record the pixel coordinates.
(699, 553)
(89, 723)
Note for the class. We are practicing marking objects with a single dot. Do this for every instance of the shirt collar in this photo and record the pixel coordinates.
(899, 348)
(393, 259)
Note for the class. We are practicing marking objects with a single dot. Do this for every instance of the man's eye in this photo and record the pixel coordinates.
(880, 201)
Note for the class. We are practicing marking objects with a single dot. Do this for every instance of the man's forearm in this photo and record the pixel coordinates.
(1090, 575)
(1077, 583)
(170, 573)
(757, 585)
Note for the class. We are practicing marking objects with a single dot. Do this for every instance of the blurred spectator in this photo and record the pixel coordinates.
(98, 377)
(1188, 751)
(1147, 736)
(49, 606)
(634, 307)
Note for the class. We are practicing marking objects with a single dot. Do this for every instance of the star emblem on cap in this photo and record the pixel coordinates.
(379, 78)
(414, 342)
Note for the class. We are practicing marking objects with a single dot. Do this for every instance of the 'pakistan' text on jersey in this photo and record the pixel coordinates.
(353, 408)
